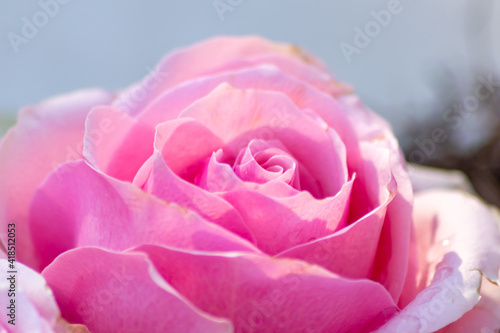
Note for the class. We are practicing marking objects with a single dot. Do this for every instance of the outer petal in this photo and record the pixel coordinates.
(391, 262)
(191, 62)
(105, 128)
(476, 320)
(263, 77)
(45, 136)
(294, 67)
(111, 292)
(485, 316)
(425, 178)
(458, 243)
(86, 208)
(262, 294)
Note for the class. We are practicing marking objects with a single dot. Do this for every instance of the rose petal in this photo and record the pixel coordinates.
(291, 65)
(281, 223)
(264, 77)
(169, 105)
(256, 118)
(265, 161)
(258, 293)
(191, 62)
(476, 320)
(186, 160)
(113, 292)
(106, 128)
(392, 260)
(338, 251)
(156, 178)
(360, 241)
(86, 208)
(220, 177)
(425, 178)
(458, 244)
(45, 136)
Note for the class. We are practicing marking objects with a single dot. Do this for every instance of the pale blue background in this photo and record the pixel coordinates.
(111, 43)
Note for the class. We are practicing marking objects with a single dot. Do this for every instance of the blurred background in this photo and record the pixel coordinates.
(430, 68)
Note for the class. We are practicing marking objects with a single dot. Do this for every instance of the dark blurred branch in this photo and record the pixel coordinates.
(479, 160)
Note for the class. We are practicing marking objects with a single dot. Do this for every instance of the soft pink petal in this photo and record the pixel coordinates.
(373, 176)
(391, 262)
(258, 293)
(264, 161)
(294, 67)
(360, 242)
(191, 62)
(476, 320)
(185, 144)
(217, 176)
(169, 105)
(113, 292)
(280, 223)
(338, 251)
(107, 128)
(46, 135)
(412, 276)
(425, 178)
(87, 208)
(238, 116)
(459, 243)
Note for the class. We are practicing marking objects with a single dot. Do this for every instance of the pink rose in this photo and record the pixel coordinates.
(239, 187)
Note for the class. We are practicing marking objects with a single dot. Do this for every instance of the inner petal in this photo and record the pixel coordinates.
(264, 161)
(218, 176)
(238, 116)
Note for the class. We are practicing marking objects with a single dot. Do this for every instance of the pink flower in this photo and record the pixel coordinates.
(239, 187)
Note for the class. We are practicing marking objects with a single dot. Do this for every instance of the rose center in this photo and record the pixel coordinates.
(264, 161)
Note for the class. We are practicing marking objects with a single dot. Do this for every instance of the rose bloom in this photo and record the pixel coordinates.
(238, 188)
